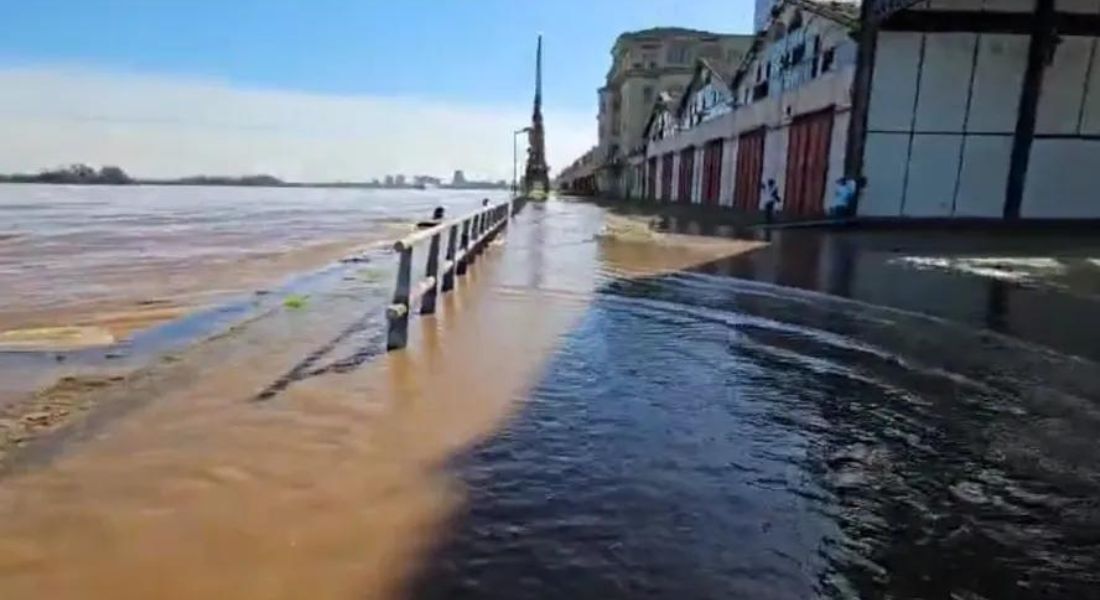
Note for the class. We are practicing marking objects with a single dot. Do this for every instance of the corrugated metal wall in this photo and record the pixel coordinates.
(808, 164)
(750, 164)
(712, 172)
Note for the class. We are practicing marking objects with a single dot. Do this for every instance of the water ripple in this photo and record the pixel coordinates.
(706, 438)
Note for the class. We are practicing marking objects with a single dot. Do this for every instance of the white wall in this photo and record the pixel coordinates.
(1063, 177)
(984, 176)
(998, 81)
(1064, 87)
(942, 116)
(1078, 6)
(729, 170)
(986, 5)
(775, 161)
(885, 159)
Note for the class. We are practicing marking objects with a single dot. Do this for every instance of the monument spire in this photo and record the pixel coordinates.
(536, 178)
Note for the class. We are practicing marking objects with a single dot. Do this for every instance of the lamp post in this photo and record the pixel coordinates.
(515, 159)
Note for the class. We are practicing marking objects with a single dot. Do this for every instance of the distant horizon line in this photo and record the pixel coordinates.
(83, 174)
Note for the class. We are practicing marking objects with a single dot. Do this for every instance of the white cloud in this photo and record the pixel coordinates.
(158, 126)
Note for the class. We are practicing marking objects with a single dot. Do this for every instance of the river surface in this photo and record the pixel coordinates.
(73, 253)
(587, 418)
(118, 270)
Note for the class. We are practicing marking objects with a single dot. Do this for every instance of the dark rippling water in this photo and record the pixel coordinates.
(703, 437)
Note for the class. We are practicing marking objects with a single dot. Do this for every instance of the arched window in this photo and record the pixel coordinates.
(796, 21)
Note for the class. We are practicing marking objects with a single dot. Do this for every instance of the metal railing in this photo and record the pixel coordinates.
(467, 236)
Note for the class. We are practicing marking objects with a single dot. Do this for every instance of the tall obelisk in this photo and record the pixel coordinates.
(536, 180)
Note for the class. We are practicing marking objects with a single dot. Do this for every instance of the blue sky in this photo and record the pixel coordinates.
(472, 55)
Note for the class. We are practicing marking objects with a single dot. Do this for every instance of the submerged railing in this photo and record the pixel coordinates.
(467, 236)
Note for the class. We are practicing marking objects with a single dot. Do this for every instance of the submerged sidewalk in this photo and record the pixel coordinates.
(186, 479)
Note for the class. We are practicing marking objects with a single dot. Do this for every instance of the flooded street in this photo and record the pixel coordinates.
(593, 418)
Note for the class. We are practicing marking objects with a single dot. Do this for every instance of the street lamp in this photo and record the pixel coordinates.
(515, 159)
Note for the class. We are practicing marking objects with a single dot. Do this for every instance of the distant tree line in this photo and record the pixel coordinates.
(109, 175)
(256, 180)
(78, 173)
(82, 174)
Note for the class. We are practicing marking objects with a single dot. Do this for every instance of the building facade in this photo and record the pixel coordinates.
(770, 134)
(893, 109)
(941, 109)
(644, 65)
(983, 109)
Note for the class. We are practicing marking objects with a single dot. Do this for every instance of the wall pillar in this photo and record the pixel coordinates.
(1040, 50)
(861, 98)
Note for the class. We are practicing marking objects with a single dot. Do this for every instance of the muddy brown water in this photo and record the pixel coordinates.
(105, 262)
(582, 418)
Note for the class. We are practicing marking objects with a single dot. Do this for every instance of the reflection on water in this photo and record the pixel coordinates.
(698, 437)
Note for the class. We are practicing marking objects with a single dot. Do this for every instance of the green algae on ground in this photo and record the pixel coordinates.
(295, 301)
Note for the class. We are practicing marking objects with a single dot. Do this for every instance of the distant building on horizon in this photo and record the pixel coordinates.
(399, 180)
(459, 178)
(427, 181)
(388, 182)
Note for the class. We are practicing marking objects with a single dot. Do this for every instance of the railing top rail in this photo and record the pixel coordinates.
(414, 238)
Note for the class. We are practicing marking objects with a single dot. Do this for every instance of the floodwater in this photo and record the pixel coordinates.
(114, 271)
(104, 254)
(584, 418)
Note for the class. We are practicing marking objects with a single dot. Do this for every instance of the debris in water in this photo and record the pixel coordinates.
(295, 301)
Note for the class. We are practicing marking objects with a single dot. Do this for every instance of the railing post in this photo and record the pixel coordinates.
(449, 275)
(460, 268)
(475, 243)
(398, 334)
(431, 273)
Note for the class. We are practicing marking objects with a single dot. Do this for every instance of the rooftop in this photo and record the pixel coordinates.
(668, 32)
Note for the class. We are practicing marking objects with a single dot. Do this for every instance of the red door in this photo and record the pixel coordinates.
(666, 177)
(687, 175)
(750, 166)
(651, 177)
(808, 164)
(712, 172)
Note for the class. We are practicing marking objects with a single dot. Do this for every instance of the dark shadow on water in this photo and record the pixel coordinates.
(708, 437)
(865, 266)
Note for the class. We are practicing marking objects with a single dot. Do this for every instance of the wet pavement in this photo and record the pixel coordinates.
(599, 419)
(703, 436)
